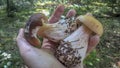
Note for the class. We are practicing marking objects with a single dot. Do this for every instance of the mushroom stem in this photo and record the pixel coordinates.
(82, 36)
(77, 44)
(56, 31)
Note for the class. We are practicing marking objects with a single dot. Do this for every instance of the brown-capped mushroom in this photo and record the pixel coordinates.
(32, 27)
(38, 26)
(72, 50)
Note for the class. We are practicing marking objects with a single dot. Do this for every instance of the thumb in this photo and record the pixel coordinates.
(22, 44)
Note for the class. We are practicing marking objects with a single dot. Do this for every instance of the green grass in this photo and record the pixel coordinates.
(106, 54)
(9, 28)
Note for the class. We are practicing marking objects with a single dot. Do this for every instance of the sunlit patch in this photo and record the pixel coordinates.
(6, 55)
(47, 13)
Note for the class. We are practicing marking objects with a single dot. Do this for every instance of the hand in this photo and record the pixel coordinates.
(44, 58)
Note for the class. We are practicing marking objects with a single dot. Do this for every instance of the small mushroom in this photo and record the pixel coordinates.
(37, 25)
(72, 50)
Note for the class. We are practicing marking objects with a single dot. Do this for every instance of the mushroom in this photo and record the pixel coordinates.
(37, 25)
(72, 50)
(71, 34)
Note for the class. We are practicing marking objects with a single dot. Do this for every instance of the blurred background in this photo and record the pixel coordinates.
(15, 13)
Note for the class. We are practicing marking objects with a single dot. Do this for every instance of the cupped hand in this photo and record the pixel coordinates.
(44, 58)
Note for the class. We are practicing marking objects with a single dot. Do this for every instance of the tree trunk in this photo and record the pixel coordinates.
(7, 8)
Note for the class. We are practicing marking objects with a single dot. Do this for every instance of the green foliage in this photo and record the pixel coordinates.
(92, 60)
(9, 60)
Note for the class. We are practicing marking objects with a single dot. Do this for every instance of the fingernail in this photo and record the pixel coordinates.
(21, 29)
(21, 32)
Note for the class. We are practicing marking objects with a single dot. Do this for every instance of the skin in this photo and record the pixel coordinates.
(44, 58)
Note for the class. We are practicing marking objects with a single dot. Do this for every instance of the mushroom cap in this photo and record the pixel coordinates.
(92, 23)
(32, 26)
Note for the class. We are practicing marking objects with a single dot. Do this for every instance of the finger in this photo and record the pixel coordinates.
(71, 13)
(49, 44)
(57, 14)
(20, 38)
(54, 18)
(93, 41)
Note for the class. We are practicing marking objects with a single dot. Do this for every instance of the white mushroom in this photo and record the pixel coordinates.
(72, 50)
